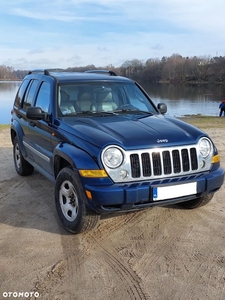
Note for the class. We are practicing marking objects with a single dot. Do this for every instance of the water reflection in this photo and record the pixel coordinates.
(7, 95)
(187, 99)
(180, 99)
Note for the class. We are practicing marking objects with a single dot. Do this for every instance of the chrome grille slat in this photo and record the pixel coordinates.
(163, 162)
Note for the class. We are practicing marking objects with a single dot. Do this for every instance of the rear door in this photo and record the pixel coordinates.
(39, 133)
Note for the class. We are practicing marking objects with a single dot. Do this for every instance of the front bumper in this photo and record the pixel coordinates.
(124, 197)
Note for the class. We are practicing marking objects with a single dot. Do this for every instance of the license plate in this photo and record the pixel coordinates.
(174, 191)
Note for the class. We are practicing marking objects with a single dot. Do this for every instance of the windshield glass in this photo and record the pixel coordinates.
(97, 97)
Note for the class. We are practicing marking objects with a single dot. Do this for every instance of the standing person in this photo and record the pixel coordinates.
(222, 108)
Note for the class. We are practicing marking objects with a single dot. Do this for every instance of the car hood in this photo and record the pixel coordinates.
(131, 132)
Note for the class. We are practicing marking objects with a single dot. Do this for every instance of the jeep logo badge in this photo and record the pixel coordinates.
(162, 141)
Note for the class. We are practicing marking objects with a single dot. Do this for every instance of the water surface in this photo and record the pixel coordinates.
(7, 96)
(180, 100)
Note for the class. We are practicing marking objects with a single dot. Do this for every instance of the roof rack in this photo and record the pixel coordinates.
(111, 73)
(45, 71)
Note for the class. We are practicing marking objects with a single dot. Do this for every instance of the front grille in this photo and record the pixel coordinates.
(159, 163)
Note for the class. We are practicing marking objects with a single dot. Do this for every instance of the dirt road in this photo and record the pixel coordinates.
(161, 253)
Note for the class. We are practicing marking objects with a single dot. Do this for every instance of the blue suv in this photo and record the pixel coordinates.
(107, 147)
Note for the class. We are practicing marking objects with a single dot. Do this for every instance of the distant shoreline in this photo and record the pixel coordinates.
(196, 120)
(7, 80)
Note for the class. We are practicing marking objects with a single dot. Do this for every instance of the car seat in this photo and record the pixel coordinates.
(104, 101)
(66, 106)
(85, 102)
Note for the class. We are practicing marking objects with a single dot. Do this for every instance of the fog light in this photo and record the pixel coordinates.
(123, 174)
(202, 164)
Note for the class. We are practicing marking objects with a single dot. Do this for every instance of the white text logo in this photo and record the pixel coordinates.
(162, 141)
(20, 294)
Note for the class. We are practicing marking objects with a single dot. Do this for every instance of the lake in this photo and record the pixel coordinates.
(187, 99)
(8, 91)
(180, 99)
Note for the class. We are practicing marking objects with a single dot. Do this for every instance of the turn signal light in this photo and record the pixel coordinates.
(215, 159)
(93, 173)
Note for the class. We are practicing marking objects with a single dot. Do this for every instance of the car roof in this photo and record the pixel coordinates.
(81, 76)
(98, 75)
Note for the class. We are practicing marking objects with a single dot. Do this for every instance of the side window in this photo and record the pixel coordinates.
(20, 93)
(30, 94)
(43, 98)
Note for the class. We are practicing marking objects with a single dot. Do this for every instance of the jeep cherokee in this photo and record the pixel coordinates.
(107, 147)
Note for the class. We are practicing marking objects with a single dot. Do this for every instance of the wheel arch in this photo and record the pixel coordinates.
(12, 134)
(16, 130)
(67, 155)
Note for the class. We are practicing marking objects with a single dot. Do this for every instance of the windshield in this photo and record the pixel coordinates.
(102, 97)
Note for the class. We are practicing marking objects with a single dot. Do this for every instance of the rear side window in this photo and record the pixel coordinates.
(43, 98)
(20, 93)
(30, 94)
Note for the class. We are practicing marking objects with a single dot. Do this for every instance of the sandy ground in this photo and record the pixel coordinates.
(160, 253)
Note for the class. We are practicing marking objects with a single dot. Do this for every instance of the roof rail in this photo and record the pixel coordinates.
(111, 73)
(56, 70)
(45, 71)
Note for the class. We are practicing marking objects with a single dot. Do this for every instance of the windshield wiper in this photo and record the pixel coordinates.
(136, 111)
(96, 113)
(103, 113)
(84, 112)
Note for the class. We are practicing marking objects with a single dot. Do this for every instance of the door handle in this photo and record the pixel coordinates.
(31, 123)
(19, 116)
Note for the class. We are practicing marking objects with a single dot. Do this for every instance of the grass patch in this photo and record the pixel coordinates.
(204, 121)
(4, 126)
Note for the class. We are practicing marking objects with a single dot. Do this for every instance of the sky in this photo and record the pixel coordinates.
(73, 33)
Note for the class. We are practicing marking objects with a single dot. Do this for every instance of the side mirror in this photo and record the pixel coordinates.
(35, 113)
(162, 107)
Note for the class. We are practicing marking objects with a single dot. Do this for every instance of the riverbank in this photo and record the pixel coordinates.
(204, 121)
(196, 120)
(4, 126)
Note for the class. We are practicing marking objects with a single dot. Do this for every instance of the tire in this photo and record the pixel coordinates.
(70, 198)
(23, 167)
(198, 202)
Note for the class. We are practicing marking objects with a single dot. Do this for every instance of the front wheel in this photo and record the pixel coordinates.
(198, 202)
(70, 198)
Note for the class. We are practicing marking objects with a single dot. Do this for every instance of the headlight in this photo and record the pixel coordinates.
(205, 147)
(112, 157)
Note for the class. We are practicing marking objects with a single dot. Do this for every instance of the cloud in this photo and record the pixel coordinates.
(157, 47)
(34, 51)
(103, 49)
(101, 32)
(75, 60)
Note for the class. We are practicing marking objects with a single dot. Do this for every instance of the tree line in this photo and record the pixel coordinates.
(173, 69)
